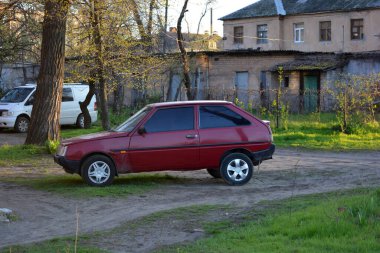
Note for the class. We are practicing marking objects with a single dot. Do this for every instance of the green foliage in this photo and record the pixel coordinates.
(355, 97)
(52, 146)
(322, 224)
(322, 131)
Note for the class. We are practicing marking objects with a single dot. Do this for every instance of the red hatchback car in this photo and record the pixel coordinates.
(193, 135)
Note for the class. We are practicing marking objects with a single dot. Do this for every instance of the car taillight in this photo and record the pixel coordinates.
(95, 106)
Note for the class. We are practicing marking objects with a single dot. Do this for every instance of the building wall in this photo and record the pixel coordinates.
(340, 27)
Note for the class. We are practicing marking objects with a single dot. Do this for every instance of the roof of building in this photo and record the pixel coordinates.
(267, 8)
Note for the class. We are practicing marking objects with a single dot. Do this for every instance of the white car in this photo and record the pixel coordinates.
(16, 106)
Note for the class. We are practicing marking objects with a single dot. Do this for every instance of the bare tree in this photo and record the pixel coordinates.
(203, 14)
(184, 57)
(44, 123)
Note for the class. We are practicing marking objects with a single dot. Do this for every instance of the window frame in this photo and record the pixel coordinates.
(360, 27)
(170, 108)
(238, 39)
(219, 127)
(325, 34)
(260, 38)
(300, 31)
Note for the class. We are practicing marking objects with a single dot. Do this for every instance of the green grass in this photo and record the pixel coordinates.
(74, 186)
(315, 131)
(348, 223)
(69, 132)
(55, 245)
(21, 154)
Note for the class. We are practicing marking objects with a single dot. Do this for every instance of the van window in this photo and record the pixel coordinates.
(67, 95)
(16, 95)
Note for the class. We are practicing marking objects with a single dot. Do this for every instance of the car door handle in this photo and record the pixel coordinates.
(191, 136)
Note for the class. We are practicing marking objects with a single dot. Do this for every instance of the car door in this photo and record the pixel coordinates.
(168, 140)
(69, 107)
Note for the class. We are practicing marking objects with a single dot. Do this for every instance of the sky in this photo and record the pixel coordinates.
(195, 7)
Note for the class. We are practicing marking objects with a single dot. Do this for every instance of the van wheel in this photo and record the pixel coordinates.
(236, 169)
(215, 173)
(22, 124)
(98, 170)
(80, 121)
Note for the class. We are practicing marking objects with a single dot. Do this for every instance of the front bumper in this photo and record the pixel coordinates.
(264, 154)
(7, 122)
(69, 166)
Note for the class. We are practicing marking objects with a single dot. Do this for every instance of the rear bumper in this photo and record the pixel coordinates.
(68, 165)
(264, 154)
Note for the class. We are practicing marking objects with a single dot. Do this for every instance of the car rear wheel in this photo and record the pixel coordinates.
(236, 169)
(214, 173)
(22, 124)
(98, 170)
(80, 121)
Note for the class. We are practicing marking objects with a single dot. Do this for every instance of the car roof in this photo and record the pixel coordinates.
(64, 84)
(195, 102)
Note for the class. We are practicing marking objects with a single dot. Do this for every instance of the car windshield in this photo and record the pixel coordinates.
(16, 95)
(130, 123)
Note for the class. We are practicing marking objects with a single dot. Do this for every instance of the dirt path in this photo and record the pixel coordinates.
(44, 215)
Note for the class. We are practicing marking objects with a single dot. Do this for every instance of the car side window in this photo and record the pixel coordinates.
(220, 116)
(171, 119)
(30, 100)
(67, 95)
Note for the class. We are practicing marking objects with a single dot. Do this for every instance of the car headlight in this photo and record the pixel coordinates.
(7, 113)
(61, 151)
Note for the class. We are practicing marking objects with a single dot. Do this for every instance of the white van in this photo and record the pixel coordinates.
(16, 106)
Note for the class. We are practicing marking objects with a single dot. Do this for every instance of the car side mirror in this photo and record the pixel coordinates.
(141, 130)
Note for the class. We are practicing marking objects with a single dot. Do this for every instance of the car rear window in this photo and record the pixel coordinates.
(220, 116)
(171, 119)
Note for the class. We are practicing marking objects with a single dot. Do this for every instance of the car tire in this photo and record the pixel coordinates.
(236, 169)
(98, 170)
(80, 121)
(215, 173)
(22, 124)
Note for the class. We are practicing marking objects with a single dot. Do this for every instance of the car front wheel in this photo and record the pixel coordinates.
(22, 124)
(236, 169)
(98, 170)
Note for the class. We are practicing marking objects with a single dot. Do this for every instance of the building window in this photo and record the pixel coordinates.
(325, 31)
(357, 29)
(238, 34)
(299, 32)
(262, 34)
(285, 82)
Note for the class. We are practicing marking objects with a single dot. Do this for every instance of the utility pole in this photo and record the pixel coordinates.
(165, 26)
(211, 24)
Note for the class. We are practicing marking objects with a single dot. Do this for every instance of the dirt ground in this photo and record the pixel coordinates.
(9, 137)
(291, 173)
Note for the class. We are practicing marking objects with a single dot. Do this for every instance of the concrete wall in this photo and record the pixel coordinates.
(13, 75)
(281, 34)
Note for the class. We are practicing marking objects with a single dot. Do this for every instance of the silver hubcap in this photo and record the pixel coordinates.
(237, 170)
(23, 126)
(81, 121)
(99, 172)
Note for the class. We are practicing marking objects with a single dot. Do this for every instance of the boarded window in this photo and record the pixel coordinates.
(325, 31)
(238, 34)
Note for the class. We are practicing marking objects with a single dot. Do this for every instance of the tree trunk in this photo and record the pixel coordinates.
(44, 124)
(84, 105)
(96, 17)
(184, 58)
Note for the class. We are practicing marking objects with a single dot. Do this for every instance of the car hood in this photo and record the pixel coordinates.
(8, 106)
(93, 137)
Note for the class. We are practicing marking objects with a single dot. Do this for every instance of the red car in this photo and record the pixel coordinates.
(192, 135)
